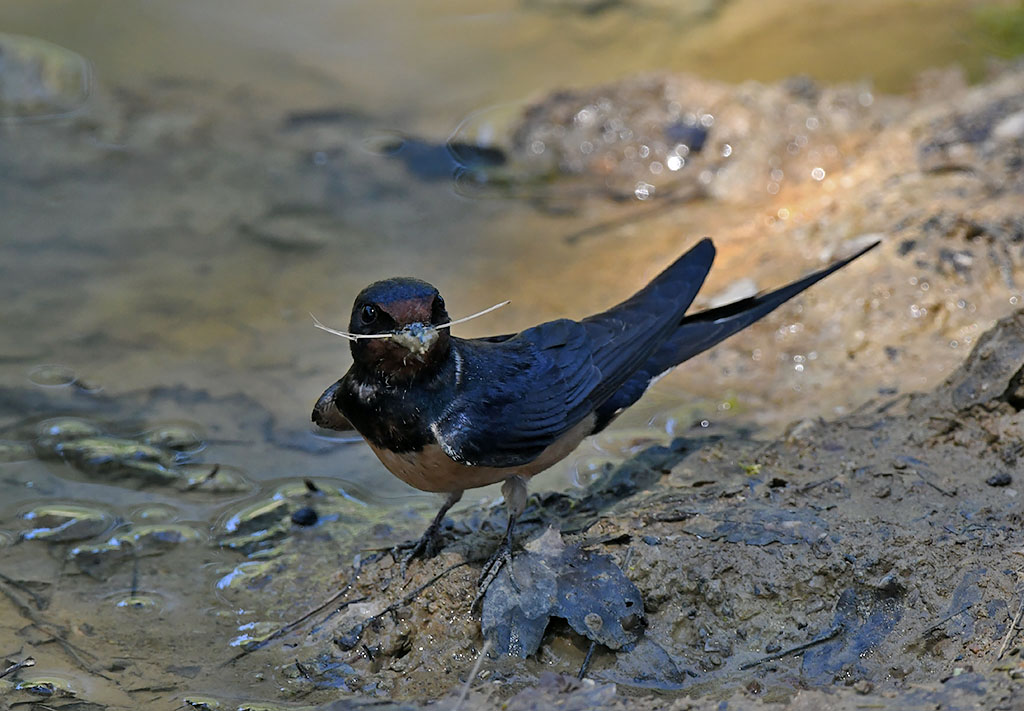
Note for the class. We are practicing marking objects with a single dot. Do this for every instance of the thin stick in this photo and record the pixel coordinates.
(831, 634)
(55, 632)
(586, 660)
(281, 631)
(363, 336)
(472, 675)
(356, 630)
(488, 310)
(26, 662)
(343, 334)
(946, 619)
(1013, 629)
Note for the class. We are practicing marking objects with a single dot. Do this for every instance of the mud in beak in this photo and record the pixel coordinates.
(417, 338)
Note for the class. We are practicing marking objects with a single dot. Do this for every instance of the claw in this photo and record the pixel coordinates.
(429, 544)
(500, 558)
(426, 547)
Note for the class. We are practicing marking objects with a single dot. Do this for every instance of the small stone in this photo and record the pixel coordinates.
(306, 516)
(1002, 479)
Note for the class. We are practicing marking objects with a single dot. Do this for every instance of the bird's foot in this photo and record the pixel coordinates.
(514, 491)
(500, 558)
(428, 545)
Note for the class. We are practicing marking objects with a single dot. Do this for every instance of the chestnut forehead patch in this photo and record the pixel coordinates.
(406, 311)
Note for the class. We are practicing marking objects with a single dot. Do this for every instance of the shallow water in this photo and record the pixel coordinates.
(167, 233)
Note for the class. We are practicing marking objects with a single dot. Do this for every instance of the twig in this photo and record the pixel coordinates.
(946, 619)
(56, 633)
(586, 660)
(281, 631)
(1013, 629)
(303, 671)
(472, 675)
(937, 487)
(831, 634)
(807, 487)
(357, 630)
(26, 662)
(39, 600)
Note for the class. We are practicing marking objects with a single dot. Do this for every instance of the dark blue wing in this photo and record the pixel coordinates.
(700, 331)
(517, 396)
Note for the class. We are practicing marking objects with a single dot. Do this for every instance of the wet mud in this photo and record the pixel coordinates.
(180, 545)
(872, 560)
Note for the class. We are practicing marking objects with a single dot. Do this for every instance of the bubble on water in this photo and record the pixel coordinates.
(186, 438)
(52, 375)
(138, 600)
(155, 512)
(586, 470)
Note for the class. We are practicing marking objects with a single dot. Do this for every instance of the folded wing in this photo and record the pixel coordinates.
(544, 381)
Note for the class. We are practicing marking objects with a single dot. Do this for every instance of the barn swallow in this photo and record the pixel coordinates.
(446, 414)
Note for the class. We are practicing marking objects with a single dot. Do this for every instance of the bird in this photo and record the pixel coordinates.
(446, 414)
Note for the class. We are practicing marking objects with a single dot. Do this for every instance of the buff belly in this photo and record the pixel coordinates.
(430, 469)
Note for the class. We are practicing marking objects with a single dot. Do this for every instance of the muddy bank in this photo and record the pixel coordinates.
(163, 537)
(870, 560)
(873, 557)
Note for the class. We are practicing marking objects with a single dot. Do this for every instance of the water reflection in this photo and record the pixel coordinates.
(40, 81)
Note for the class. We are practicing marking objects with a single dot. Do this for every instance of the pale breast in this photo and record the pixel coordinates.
(430, 469)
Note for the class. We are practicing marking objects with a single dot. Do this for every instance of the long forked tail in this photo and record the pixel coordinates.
(700, 331)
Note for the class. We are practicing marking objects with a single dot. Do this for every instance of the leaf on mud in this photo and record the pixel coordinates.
(585, 588)
(646, 666)
(864, 618)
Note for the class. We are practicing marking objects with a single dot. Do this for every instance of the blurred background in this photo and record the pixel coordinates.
(182, 184)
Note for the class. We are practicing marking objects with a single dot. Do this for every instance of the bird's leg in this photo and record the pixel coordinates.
(428, 544)
(514, 491)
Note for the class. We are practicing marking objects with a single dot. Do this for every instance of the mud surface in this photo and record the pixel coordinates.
(875, 559)
(168, 521)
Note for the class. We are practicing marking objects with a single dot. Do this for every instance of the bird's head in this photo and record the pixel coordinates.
(408, 312)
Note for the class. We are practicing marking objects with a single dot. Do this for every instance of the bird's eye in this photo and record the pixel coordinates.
(368, 314)
(439, 302)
